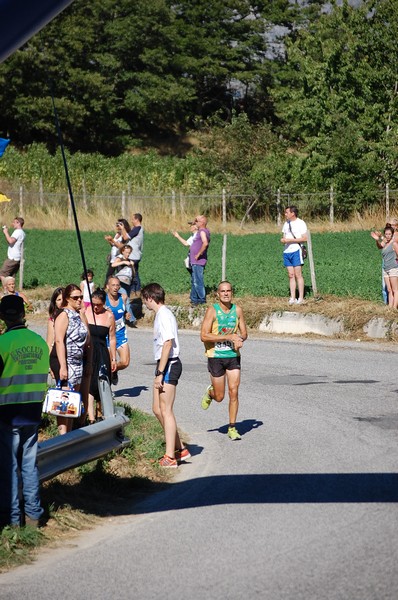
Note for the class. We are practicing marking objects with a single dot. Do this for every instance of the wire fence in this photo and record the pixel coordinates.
(30, 201)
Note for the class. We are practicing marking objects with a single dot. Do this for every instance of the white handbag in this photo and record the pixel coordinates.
(63, 403)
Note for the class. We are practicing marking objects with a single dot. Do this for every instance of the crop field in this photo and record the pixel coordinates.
(346, 264)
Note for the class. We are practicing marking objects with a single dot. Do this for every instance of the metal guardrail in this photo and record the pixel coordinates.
(82, 445)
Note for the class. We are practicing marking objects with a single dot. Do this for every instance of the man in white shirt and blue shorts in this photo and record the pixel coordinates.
(294, 233)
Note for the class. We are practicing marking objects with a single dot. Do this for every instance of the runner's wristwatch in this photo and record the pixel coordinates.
(157, 373)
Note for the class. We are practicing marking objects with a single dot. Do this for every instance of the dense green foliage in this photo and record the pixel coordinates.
(292, 95)
(346, 264)
(122, 71)
(106, 175)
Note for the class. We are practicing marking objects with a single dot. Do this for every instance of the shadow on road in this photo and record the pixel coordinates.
(133, 392)
(136, 496)
(243, 426)
(276, 489)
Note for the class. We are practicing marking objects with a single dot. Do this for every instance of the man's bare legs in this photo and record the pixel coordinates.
(218, 391)
(124, 357)
(163, 402)
(296, 278)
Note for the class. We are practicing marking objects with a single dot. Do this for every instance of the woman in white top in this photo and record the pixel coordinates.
(115, 242)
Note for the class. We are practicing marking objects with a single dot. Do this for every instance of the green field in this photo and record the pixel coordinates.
(346, 264)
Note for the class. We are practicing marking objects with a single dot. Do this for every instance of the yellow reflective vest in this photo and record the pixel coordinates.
(26, 360)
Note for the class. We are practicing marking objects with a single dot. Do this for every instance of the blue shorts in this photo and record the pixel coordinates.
(293, 259)
(172, 372)
(121, 337)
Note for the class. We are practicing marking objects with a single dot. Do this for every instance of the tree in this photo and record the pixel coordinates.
(337, 98)
(123, 70)
(67, 59)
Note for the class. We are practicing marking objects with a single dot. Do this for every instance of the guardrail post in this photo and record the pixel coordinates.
(105, 392)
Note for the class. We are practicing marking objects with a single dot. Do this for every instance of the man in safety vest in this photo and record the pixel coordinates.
(24, 363)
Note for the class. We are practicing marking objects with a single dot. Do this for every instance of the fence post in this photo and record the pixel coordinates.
(224, 240)
(312, 268)
(129, 198)
(41, 194)
(173, 203)
(224, 207)
(123, 208)
(69, 212)
(278, 207)
(331, 205)
(21, 266)
(224, 258)
(387, 202)
(84, 194)
(21, 200)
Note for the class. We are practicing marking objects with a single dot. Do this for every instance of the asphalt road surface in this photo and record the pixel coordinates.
(304, 507)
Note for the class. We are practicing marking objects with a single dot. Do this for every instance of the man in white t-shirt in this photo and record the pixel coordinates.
(294, 234)
(15, 243)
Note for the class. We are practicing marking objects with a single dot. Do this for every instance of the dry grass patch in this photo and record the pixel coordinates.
(355, 312)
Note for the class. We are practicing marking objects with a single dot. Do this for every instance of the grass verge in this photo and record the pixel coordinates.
(78, 499)
(355, 312)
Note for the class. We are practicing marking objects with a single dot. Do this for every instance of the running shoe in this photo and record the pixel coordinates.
(206, 400)
(182, 454)
(292, 301)
(115, 378)
(167, 461)
(233, 434)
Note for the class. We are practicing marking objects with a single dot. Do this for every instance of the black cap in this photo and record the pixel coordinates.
(12, 306)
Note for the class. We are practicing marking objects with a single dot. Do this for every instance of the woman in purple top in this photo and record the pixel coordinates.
(198, 260)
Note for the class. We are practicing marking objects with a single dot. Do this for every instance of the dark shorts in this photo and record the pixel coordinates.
(172, 372)
(218, 366)
(9, 267)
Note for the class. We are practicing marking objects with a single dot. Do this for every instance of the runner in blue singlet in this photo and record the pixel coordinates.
(115, 302)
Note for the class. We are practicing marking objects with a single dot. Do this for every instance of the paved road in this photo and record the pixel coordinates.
(304, 507)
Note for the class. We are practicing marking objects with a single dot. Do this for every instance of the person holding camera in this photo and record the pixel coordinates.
(116, 242)
(135, 238)
(124, 271)
(198, 260)
(14, 253)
